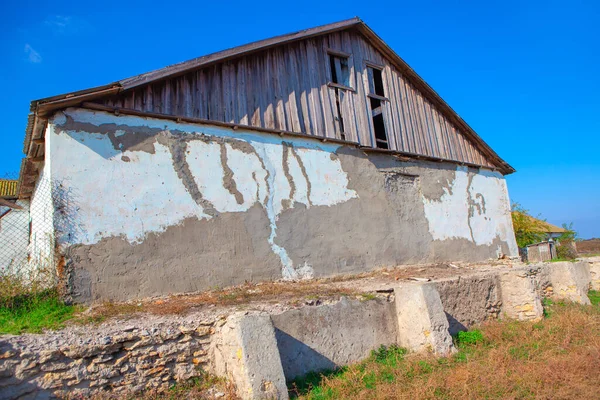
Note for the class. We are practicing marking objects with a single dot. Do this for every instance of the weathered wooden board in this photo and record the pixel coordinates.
(286, 88)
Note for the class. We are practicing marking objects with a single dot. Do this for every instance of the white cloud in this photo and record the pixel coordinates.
(58, 22)
(32, 55)
(65, 24)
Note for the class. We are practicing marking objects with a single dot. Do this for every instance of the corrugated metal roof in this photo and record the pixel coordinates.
(8, 187)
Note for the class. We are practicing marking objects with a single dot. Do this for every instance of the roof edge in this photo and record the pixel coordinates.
(433, 96)
(193, 120)
(235, 52)
(41, 108)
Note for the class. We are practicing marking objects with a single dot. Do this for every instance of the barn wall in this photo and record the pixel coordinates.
(157, 207)
(286, 88)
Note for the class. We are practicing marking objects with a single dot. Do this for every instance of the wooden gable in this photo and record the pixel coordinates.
(288, 84)
(290, 88)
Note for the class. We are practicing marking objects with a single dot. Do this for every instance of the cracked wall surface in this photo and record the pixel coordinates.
(158, 207)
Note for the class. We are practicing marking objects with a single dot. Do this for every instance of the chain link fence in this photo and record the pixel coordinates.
(27, 246)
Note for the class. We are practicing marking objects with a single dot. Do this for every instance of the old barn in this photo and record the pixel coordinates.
(311, 154)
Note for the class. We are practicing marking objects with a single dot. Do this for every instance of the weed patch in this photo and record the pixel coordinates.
(34, 312)
(468, 338)
(594, 296)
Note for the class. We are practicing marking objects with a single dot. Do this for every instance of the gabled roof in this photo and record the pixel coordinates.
(541, 225)
(548, 227)
(43, 107)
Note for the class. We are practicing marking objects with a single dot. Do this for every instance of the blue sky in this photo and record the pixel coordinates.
(524, 75)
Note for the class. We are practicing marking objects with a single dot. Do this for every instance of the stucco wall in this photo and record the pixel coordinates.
(152, 207)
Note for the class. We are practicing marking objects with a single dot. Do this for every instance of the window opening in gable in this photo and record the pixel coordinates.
(377, 98)
(375, 81)
(340, 70)
(339, 117)
(340, 78)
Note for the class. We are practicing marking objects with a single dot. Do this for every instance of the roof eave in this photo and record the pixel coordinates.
(42, 108)
(235, 52)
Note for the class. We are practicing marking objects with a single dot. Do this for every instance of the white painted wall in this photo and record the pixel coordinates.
(148, 195)
(42, 209)
(101, 195)
(476, 208)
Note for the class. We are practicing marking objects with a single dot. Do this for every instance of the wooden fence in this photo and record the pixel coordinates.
(544, 251)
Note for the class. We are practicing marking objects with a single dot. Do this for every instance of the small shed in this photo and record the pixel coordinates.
(543, 251)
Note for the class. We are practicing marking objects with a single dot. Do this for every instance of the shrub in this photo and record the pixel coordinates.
(566, 251)
(469, 338)
(384, 354)
(528, 230)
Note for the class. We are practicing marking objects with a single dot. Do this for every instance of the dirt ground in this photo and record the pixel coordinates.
(589, 246)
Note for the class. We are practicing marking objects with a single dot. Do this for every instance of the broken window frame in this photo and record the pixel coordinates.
(338, 87)
(330, 81)
(377, 106)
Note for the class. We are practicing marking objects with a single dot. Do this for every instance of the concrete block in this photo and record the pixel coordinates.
(594, 274)
(520, 300)
(422, 323)
(570, 281)
(245, 351)
(332, 335)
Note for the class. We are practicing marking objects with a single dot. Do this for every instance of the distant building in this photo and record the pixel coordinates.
(311, 154)
(14, 227)
(552, 231)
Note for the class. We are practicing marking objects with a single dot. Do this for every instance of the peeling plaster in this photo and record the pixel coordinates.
(448, 217)
(164, 172)
(475, 206)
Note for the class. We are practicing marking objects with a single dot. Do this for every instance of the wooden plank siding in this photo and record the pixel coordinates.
(286, 88)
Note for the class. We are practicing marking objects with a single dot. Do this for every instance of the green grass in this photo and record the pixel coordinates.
(502, 359)
(33, 313)
(468, 338)
(594, 296)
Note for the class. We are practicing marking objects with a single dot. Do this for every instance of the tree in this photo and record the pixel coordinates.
(528, 230)
(566, 249)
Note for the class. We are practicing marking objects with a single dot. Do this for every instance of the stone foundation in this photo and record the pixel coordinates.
(128, 362)
(259, 352)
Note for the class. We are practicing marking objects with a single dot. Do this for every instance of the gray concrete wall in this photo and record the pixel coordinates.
(329, 336)
(156, 207)
(470, 300)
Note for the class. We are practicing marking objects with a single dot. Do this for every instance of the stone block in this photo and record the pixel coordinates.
(313, 339)
(594, 274)
(245, 351)
(570, 281)
(520, 300)
(422, 323)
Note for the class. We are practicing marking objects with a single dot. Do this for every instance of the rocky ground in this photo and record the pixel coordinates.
(99, 323)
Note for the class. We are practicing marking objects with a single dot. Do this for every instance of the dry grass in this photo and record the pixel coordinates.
(557, 358)
(269, 292)
(287, 292)
(589, 246)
